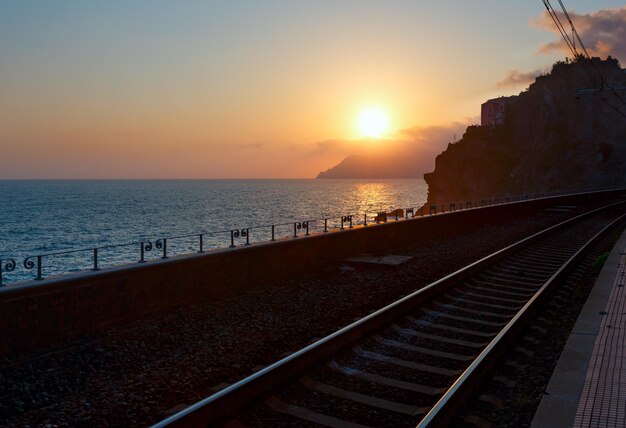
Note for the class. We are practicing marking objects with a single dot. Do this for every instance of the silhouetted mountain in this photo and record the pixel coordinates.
(550, 140)
(407, 164)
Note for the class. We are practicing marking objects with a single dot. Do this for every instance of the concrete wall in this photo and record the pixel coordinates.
(38, 313)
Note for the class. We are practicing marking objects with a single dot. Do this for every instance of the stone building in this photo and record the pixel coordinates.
(492, 111)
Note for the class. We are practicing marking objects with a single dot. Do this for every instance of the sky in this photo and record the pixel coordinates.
(259, 89)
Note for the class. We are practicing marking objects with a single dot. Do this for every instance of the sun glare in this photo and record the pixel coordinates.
(373, 122)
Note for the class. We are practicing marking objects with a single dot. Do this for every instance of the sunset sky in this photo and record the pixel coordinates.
(236, 89)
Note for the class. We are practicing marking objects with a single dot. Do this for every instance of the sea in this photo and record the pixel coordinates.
(47, 217)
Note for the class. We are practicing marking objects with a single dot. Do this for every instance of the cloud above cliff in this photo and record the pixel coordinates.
(603, 32)
(514, 78)
(437, 137)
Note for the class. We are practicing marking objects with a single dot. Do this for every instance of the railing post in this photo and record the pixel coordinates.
(325, 225)
(201, 243)
(39, 262)
(248, 236)
(232, 239)
(295, 229)
(306, 225)
(163, 245)
(273, 239)
(422, 211)
(365, 220)
(141, 252)
(396, 214)
(433, 208)
(95, 260)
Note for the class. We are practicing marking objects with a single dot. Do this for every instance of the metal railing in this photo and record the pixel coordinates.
(196, 242)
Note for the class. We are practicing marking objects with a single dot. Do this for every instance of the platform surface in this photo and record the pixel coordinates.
(390, 260)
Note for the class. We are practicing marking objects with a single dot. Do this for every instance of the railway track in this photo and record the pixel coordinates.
(415, 361)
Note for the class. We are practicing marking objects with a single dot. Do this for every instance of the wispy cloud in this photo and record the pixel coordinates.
(514, 78)
(437, 137)
(603, 32)
(332, 146)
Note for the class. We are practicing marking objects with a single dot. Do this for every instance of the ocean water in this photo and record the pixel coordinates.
(44, 217)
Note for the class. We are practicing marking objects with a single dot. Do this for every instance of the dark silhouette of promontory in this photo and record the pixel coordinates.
(404, 164)
(562, 133)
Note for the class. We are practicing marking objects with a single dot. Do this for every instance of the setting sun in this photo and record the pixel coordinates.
(373, 122)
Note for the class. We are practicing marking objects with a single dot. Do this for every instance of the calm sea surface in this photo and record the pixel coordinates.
(40, 217)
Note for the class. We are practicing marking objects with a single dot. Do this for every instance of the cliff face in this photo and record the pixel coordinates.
(550, 141)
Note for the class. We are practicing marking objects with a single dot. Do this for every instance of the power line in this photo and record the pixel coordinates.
(568, 42)
(558, 25)
(574, 32)
(596, 67)
(571, 44)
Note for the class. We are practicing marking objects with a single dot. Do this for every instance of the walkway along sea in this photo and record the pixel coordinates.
(51, 216)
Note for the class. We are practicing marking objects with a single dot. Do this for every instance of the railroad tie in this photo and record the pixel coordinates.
(495, 288)
(309, 415)
(511, 279)
(505, 381)
(531, 340)
(526, 289)
(375, 356)
(431, 324)
(480, 303)
(519, 272)
(494, 401)
(393, 406)
(523, 267)
(422, 350)
(439, 314)
(486, 296)
(471, 311)
(478, 421)
(442, 339)
(515, 364)
(386, 381)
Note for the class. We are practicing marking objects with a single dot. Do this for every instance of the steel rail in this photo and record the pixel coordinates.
(226, 401)
(444, 410)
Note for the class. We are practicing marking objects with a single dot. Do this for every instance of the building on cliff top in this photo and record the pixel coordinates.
(492, 111)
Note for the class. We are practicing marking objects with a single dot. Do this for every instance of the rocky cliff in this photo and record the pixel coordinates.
(551, 140)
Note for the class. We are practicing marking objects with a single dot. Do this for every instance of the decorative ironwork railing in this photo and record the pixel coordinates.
(197, 242)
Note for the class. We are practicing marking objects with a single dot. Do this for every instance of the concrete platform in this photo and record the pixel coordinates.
(588, 385)
(390, 261)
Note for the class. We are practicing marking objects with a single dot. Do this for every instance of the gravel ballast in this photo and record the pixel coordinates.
(140, 373)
